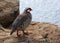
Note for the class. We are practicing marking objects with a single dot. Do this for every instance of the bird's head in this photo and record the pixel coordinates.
(28, 9)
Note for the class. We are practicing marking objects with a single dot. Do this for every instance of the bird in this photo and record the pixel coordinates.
(22, 21)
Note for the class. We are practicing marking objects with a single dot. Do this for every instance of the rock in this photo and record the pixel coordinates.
(9, 9)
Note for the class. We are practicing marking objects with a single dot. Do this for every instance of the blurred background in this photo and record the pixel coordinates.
(43, 10)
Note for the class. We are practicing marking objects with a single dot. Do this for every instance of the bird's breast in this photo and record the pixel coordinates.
(25, 23)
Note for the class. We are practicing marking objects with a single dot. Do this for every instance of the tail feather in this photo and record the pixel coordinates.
(13, 30)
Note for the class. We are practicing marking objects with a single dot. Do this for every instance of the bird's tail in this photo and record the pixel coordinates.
(13, 30)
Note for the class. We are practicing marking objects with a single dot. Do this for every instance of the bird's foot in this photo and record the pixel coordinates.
(18, 35)
(25, 33)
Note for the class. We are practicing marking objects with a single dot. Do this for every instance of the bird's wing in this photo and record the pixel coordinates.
(18, 20)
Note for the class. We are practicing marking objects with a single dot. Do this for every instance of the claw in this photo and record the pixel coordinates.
(26, 33)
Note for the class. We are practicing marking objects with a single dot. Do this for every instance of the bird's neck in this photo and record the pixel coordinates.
(28, 14)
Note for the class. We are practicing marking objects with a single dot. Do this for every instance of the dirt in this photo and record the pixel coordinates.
(39, 32)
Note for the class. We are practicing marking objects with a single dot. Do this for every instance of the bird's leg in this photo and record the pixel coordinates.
(18, 33)
(26, 33)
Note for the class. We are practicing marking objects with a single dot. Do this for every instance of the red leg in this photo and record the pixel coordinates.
(26, 33)
(17, 32)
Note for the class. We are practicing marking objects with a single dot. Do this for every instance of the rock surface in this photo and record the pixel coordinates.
(9, 9)
(38, 33)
